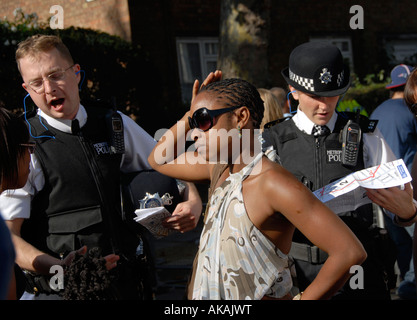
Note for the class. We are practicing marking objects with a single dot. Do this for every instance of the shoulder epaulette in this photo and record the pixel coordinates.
(273, 123)
(367, 125)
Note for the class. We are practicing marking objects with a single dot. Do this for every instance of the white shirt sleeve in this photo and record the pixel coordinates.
(16, 203)
(376, 150)
(138, 146)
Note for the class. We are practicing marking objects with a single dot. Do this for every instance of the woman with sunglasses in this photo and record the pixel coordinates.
(15, 150)
(253, 206)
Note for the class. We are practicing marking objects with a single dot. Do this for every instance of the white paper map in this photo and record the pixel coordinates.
(151, 219)
(348, 193)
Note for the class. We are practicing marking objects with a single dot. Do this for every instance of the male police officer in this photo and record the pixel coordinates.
(309, 146)
(72, 198)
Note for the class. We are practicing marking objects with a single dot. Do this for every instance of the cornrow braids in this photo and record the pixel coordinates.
(238, 92)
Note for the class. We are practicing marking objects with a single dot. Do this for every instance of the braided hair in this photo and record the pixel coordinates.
(238, 92)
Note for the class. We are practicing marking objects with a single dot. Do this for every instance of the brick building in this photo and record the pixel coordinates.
(111, 16)
(182, 36)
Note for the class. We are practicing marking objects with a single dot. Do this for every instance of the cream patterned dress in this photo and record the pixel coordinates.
(235, 260)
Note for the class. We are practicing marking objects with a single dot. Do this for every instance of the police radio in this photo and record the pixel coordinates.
(351, 139)
(116, 135)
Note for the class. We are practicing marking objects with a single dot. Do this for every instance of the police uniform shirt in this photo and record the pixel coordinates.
(138, 145)
(375, 148)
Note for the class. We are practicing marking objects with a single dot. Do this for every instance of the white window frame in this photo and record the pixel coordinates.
(205, 58)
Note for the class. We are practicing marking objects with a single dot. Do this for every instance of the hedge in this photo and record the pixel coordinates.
(369, 97)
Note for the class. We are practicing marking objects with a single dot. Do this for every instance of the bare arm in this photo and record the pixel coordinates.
(167, 159)
(27, 256)
(169, 156)
(321, 226)
(30, 258)
(186, 215)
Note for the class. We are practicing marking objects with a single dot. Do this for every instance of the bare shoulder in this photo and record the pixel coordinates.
(280, 187)
(272, 175)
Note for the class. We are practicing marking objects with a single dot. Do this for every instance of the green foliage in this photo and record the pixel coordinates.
(370, 92)
(114, 69)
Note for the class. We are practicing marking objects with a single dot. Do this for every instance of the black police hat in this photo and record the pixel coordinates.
(317, 68)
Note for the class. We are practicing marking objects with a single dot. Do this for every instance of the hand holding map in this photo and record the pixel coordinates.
(348, 193)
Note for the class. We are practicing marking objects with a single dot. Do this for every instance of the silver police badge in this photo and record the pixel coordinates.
(155, 201)
(326, 76)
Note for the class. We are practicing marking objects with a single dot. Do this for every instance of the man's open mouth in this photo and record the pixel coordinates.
(57, 102)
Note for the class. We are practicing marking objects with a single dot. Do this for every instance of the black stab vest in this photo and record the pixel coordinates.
(80, 202)
(316, 162)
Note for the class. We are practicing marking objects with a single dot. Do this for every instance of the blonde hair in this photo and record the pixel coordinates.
(37, 44)
(273, 108)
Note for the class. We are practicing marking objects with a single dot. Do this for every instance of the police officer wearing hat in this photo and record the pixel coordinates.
(309, 145)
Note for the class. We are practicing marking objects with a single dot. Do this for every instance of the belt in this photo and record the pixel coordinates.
(305, 252)
(37, 284)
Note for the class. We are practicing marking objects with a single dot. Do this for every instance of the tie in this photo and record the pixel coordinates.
(320, 130)
(75, 126)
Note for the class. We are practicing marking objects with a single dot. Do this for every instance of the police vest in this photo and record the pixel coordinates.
(80, 203)
(316, 162)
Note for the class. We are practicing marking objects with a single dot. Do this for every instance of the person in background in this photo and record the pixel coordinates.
(399, 128)
(72, 200)
(281, 95)
(273, 108)
(15, 150)
(410, 98)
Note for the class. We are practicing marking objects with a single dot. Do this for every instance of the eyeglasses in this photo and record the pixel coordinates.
(31, 146)
(203, 118)
(55, 77)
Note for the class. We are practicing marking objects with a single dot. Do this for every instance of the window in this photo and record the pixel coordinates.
(402, 50)
(343, 43)
(197, 57)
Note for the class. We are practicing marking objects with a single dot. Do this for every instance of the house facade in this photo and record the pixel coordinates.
(182, 37)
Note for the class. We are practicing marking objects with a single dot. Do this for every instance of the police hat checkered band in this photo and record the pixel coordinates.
(340, 78)
(308, 84)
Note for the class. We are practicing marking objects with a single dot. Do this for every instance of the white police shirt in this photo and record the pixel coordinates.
(138, 145)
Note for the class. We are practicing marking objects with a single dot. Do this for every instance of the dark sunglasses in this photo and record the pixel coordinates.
(203, 118)
(31, 146)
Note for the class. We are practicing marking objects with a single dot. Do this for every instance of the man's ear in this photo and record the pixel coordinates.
(24, 87)
(77, 69)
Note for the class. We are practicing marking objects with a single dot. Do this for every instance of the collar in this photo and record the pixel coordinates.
(64, 125)
(306, 125)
